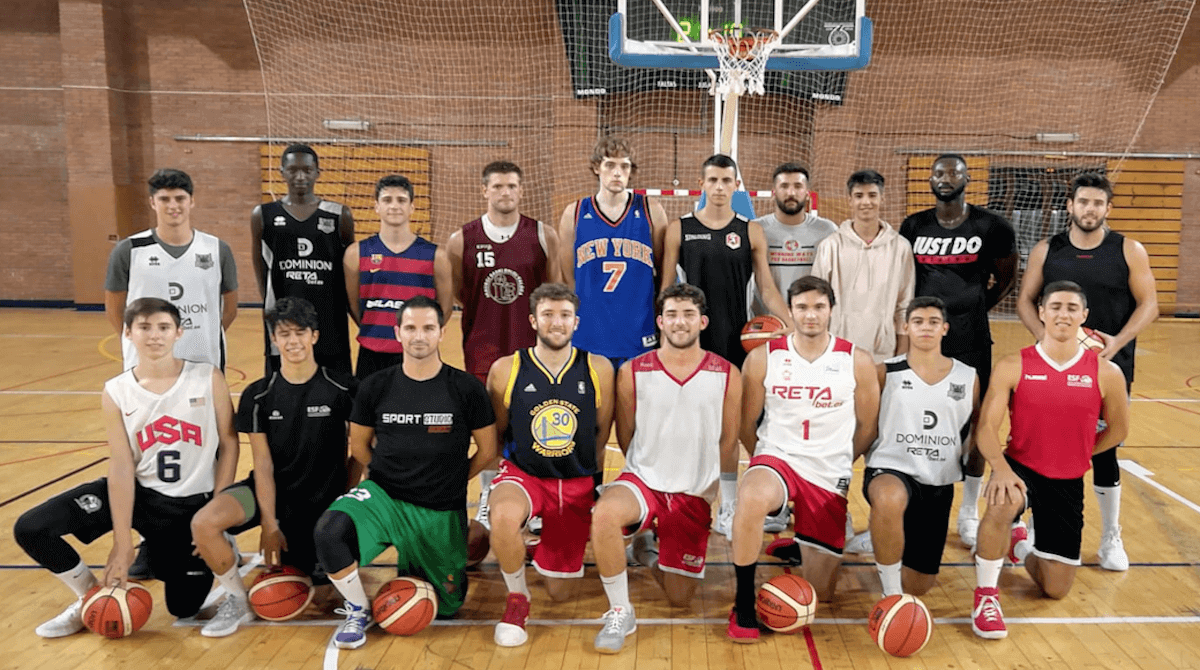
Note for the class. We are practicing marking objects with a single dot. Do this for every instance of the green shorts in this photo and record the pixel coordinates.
(430, 544)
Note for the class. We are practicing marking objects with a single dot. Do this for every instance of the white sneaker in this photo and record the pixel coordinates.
(352, 633)
(968, 529)
(619, 623)
(67, 623)
(644, 549)
(1112, 552)
(779, 522)
(724, 524)
(232, 613)
(861, 544)
(481, 514)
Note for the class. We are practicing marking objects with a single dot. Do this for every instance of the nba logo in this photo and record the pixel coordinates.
(582, 389)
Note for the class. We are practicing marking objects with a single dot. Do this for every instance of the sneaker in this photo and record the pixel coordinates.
(140, 568)
(67, 623)
(1112, 552)
(785, 549)
(860, 544)
(352, 634)
(1019, 534)
(777, 523)
(644, 549)
(740, 634)
(481, 514)
(619, 623)
(232, 613)
(987, 620)
(510, 632)
(534, 526)
(724, 524)
(968, 529)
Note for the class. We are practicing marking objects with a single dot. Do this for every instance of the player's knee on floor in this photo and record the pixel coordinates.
(336, 541)
(185, 593)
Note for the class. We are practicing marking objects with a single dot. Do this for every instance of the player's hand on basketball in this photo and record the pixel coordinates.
(1110, 345)
(1004, 486)
(272, 542)
(116, 571)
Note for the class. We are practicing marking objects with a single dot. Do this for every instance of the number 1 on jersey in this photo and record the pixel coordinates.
(617, 268)
(805, 424)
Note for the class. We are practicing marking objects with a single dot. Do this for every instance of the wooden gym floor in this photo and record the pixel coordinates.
(1148, 617)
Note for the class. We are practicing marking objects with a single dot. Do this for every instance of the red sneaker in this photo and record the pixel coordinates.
(738, 633)
(1019, 534)
(987, 620)
(510, 632)
(786, 550)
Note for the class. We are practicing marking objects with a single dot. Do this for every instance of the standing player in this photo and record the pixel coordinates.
(297, 244)
(1054, 392)
(677, 421)
(818, 396)
(296, 420)
(611, 246)
(1115, 274)
(385, 270)
(967, 256)
(792, 231)
(926, 413)
(170, 430)
(554, 407)
(412, 425)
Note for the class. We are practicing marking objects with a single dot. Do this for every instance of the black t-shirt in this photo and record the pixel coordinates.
(955, 264)
(305, 426)
(423, 433)
(721, 264)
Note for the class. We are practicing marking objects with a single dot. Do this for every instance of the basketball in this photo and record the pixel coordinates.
(759, 330)
(1088, 338)
(479, 543)
(405, 606)
(900, 625)
(280, 593)
(115, 612)
(787, 603)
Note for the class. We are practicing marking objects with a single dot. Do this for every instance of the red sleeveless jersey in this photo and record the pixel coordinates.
(497, 281)
(1053, 412)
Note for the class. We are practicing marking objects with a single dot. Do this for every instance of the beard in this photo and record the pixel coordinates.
(1076, 222)
(951, 196)
(790, 207)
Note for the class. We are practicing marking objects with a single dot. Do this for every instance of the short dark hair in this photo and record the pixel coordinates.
(719, 161)
(395, 181)
(552, 291)
(923, 301)
(810, 283)
(942, 157)
(1061, 286)
(297, 311)
(150, 306)
(1090, 180)
(789, 168)
(169, 178)
(299, 148)
(681, 291)
(864, 177)
(420, 302)
(612, 147)
(502, 167)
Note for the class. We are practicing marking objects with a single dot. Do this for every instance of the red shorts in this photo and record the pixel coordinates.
(820, 514)
(682, 521)
(565, 506)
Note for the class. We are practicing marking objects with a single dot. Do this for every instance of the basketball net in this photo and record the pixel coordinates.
(743, 58)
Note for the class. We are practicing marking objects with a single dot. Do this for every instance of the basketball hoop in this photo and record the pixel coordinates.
(743, 59)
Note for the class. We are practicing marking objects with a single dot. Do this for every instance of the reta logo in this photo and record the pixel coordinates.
(169, 430)
(802, 392)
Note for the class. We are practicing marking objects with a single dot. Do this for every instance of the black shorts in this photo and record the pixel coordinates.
(297, 523)
(926, 520)
(1057, 506)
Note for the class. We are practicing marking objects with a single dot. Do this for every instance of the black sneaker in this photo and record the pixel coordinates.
(141, 564)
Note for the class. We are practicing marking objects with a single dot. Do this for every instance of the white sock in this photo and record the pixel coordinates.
(617, 590)
(232, 581)
(970, 502)
(849, 525)
(79, 579)
(728, 487)
(1109, 498)
(987, 572)
(351, 588)
(889, 576)
(515, 581)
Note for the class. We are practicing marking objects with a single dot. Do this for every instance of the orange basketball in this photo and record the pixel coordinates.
(405, 606)
(281, 593)
(900, 625)
(787, 603)
(759, 330)
(115, 612)
(478, 543)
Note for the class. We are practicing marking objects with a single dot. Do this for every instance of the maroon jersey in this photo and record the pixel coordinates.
(497, 281)
(1053, 413)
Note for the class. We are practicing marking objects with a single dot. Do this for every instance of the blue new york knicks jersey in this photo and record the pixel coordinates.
(614, 278)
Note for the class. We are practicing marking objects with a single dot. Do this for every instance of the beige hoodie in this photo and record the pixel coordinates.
(873, 284)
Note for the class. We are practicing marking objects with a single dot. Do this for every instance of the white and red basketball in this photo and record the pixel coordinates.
(115, 612)
(281, 593)
(787, 603)
(405, 606)
(1088, 338)
(900, 625)
(759, 331)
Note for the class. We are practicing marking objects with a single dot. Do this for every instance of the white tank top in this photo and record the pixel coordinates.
(809, 412)
(191, 282)
(923, 427)
(173, 436)
(676, 445)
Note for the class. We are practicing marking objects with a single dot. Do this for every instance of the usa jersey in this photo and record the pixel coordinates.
(173, 435)
(614, 279)
(552, 418)
(1053, 412)
(809, 412)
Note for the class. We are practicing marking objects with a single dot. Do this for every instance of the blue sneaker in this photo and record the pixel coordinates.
(352, 634)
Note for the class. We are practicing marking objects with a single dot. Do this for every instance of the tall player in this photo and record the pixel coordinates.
(818, 397)
(967, 256)
(677, 421)
(297, 244)
(385, 270)
(1054, 392)
(793, 231)
(170, 430)
(1115, 274)
(554, 408)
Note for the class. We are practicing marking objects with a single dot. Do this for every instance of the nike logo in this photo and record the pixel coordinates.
(374, 270)
(130, 412)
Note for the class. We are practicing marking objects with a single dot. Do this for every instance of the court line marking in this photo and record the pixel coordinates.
(53, 481)
(1133, 468)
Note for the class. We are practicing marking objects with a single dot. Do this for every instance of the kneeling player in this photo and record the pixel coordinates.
(167, 422)
(296, 420)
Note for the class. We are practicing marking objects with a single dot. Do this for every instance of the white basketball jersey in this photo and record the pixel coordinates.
(174, 435)
(923, 427)
(676, 445)
(809, 412)
(191, 282)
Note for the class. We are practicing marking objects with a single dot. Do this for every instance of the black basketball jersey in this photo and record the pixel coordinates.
(304, 260)
(552, 418)
(1104, 276)
(721, 264)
